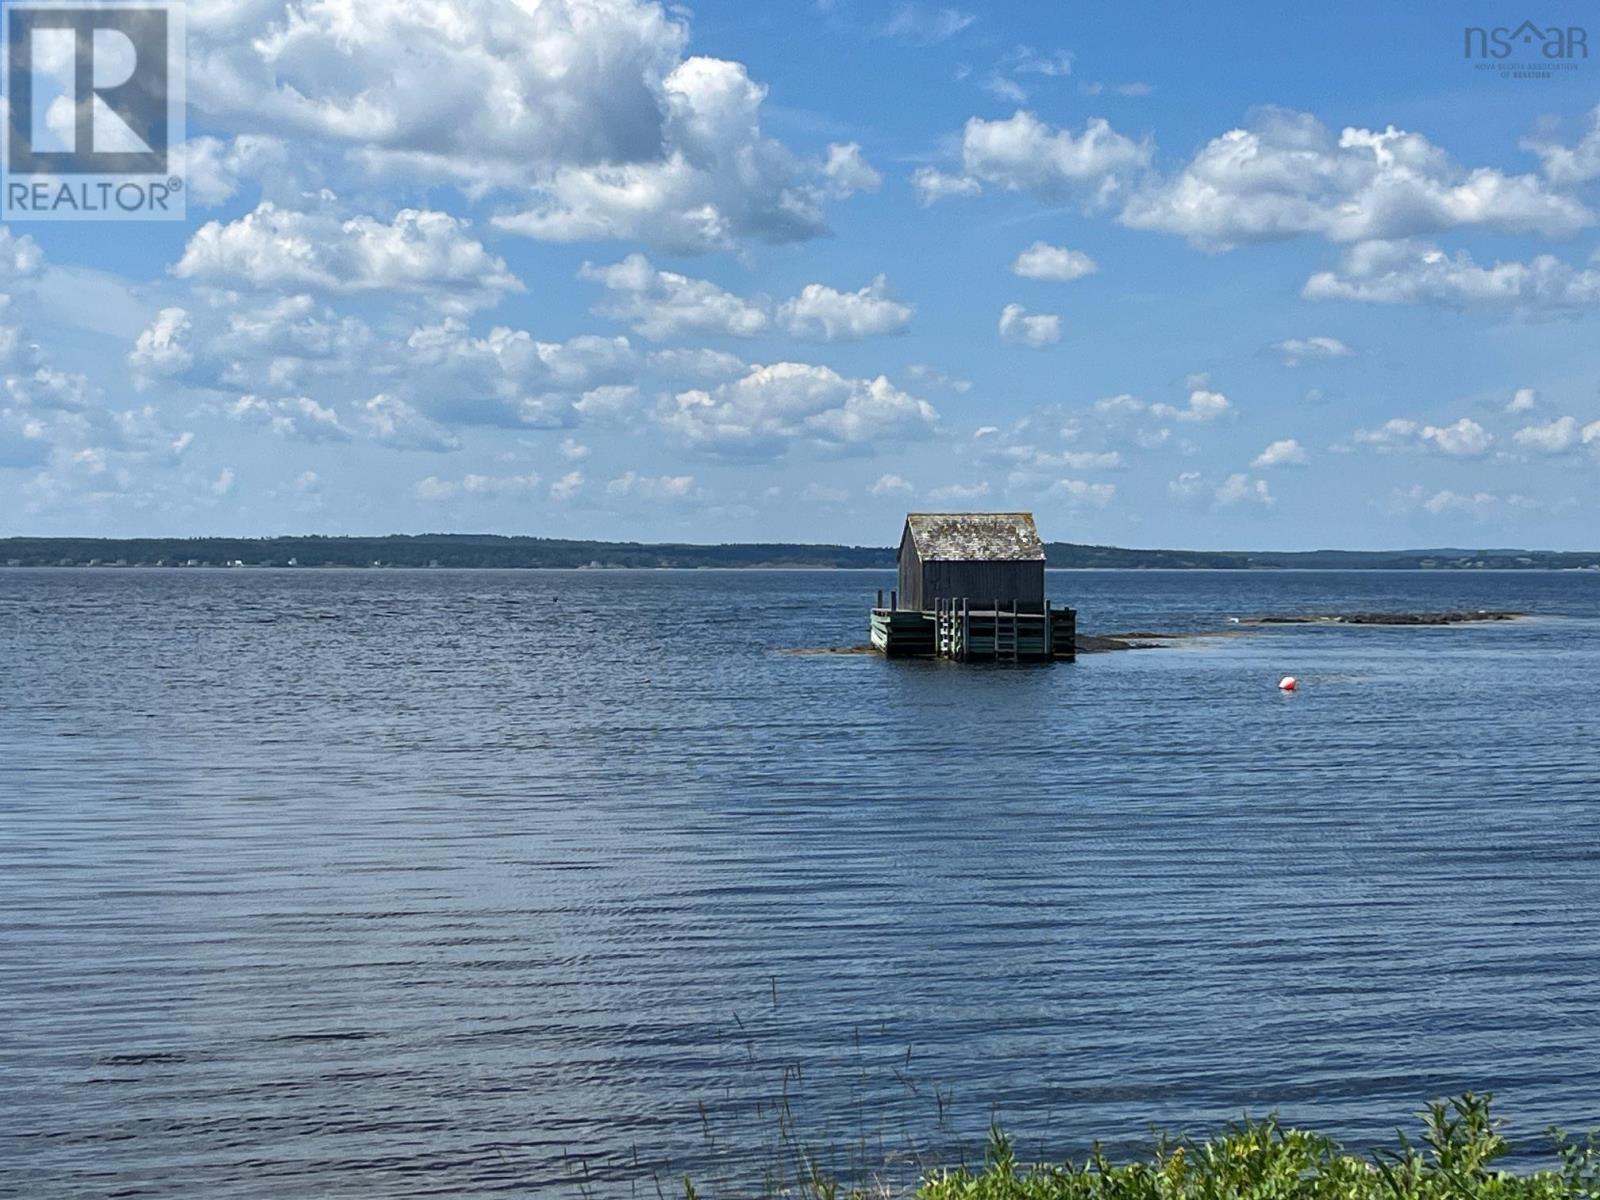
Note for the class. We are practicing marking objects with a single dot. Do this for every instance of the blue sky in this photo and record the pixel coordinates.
(1203, 277)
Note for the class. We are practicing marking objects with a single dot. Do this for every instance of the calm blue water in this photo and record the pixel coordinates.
(401, 884)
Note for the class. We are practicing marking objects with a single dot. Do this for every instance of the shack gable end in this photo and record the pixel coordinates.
(909, 572)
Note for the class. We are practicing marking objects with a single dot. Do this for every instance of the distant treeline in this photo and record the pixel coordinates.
(488, 551)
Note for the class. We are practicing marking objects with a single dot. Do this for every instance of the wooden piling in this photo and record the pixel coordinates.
(952, 628)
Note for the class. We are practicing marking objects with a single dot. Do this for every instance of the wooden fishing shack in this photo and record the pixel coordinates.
(971, 588)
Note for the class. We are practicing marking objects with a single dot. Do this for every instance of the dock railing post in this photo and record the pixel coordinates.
(892, 602)
(880, 597)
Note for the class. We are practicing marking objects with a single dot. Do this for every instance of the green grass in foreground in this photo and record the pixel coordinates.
(1262, 1160)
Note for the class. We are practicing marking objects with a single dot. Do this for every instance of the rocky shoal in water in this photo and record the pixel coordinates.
(1460, 617)
(1090, 643)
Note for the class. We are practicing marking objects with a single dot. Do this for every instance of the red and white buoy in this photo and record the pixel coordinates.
(1288, 684)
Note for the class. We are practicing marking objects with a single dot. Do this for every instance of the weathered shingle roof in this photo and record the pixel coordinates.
(975, 537)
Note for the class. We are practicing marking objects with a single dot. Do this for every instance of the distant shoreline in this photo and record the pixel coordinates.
(488, 552)
(775, 568)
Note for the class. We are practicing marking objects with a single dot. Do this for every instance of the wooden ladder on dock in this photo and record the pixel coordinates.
(1005, 633)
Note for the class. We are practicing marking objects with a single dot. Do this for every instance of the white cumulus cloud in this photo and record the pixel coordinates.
(583, 118)
(821, 313)
(1294, 351)
(1025, 154)
(283, 249)
(1193, 488)
(1573, 164)
(393, 422)
(663, 304)
(1080, 493)
(1018, 325)
(1558, 436)
(651, 487)
(299, 418)
(773, 408)
(1286, 452)
(1463, 439)
(160, 350)
(1054, 263)
(1204, 406)
(1479, 505)
(848, 171)
(933, 185)
(510, 378)
(568, 486)
(1286, 176)
(481, 486)
(1241, 489)
(1420, 273)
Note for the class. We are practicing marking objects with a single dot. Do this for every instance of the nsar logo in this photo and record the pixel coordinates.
(1555, 43)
